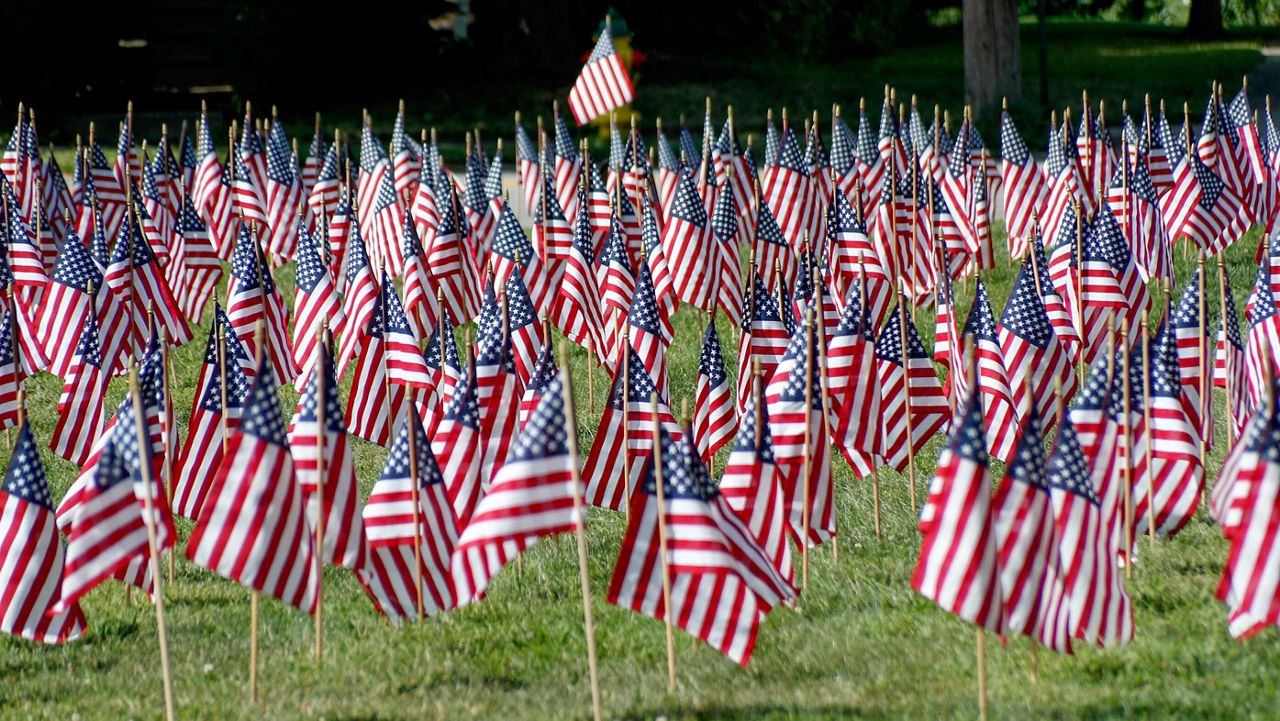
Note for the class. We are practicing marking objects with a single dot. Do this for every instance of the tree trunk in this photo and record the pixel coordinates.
(1205, 19)
(992, 53)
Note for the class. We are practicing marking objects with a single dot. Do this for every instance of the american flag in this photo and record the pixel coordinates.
(512, 253)
(1026, 539)
(1133, 199)
(722, 582)
(22, 251)
(154, 206)
(1111, 281)
(649, 330)
(1249, 492)
(1100, 610)
(714, 416)
(342, 227)
(58, 198)
(213, 197)
(393, 525)
(314, 300)
(359, 300)
(1218, 145)
(855, 385)
(917, 388)
(960, 193)
(764, 336)
(315, 159)
(1203, 207)
(752, 485)
(110, 193)
(1229, 363)
(958, 565)
(1193, 350)
(33, 558)
(374, 399)
(323, 197)
(200, 272)
(420, 302)
(498, 386)
(344, 540)
(459, 445)
(771, 248)
(801, 432)
(406, 165)
(252, 526)
(382, 226)
(1023, 183)
(524, 329)
(200, 457)
(568, 167)
(1000, 417)
(603, 85)
(598, 207)
(530, 497)
(624, 441)
(1062, 175)
(248, 198)
(1262, 351)
(1176, 472)
(726, 274)
(616, 276)
(107, 529)
(576, 310)
(282, 194)
(544, 371)
(786, 191)
(403, 348)
(528, 167)
(687, 244)
(67, 304)
(442, 362)
(81, 407)
(253, 299)
(1035, 360)
(844, 157)
(374, 165)
(125, 168)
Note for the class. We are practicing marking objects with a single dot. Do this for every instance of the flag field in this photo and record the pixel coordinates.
(860, 642)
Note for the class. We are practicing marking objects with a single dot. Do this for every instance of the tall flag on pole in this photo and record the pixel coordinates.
(459, 445)
(603, 85)
(314, 299)
(908, 381)
(67, 304)
(82, 404)
(1023, 184)
(714, 416)
(1035, 361)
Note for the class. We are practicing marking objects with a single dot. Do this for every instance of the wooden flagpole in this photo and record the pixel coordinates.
(1206, 387)
(166, 372)
(417, 504)
(906, 385)
(1146, 417)
(875, 469)
(1079, 319)
(1127, 406)
(152, 543)
(823, 391)
(625, 349)
(580, 528)
(662, 543)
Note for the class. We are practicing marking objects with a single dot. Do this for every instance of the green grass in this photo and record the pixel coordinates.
(860, 643)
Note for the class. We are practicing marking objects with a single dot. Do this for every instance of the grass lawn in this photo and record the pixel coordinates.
(860, 643)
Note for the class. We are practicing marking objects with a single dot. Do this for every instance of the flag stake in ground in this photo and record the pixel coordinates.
(906, 369)
(1222, 303)
(321, 370)
(1146, 418)
(149, 516)
(417, 497)
(580, 511)
(170, 436)
(1126, 361)
(662, 542)
(807, 465)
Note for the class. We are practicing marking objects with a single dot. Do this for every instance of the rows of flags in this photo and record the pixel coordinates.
(821, 261)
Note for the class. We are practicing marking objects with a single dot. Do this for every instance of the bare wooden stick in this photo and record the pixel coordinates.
(662, 544)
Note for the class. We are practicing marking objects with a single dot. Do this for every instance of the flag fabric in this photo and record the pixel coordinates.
(786, 191)
(344, 540)
(81, 407)
(252, 527)
(727, 229)
(1229, 366)
(532, 496)
(1203, 207)
(32, 554)
(722, 583)
(498, 385)
(624, 442)
(714, 416)
(1023, 184)
(526, 332)
(907, 382)
(544, 371)
(764, 337)
(1034, 358)
(855, 385)
(687, 243)
(314, 299)
(200, 272)
(421, 304)
(443, 363)
(374, 400)
(253, 299)
(1193, 351)
(649, 330)
(107, 529)
(577, 309)
(282, 193)
(801, 433)
(1110, 281)
(958, 565)
(603, 85)
(359, 300)
(1000, 417)
(752, 485)
(1263, 340)
(406, 165)
(403, 349)
(1100, 610)
(512, 252)
(459, 445)
(198, 462)
(1026, 539)
(211, 194)
(405, 509)
(67, 304)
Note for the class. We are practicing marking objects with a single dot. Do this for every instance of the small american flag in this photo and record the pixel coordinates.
(67, 304)
(82, 404)
(1026, 539)
(406, 163)
(201, 271)
(1203, 207)
(1229, 364)
(787, 191)
(523, 328)
(497, 384)
(247, 195)
(855, 385)
(686, 243)
(576, 310)
(459, 445)
(252, 298)
(958, 565)
(390, 520)
(1193, 349)
(528, 167)
(359, 300)
(649, 330)
(1034, 358)
(1023, 183)
(32, 582)
(252, 527)
(1111, 282)
(722, 582)
(213, 197)
(764, 336)
(907, 369)
(532, 496)
(664, 289)
(403, 348)
(198, 462)
(374, 400)
(544, 371)
(420, 302)
(714, 416)
(512, 253)
(314, 299)
(726, 227)
(1262, 351)
(603, 85)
